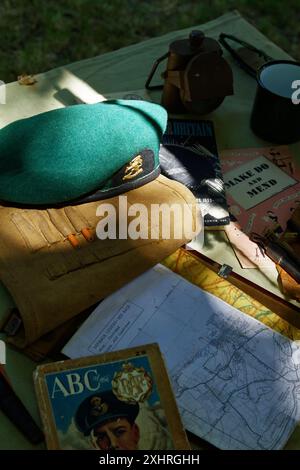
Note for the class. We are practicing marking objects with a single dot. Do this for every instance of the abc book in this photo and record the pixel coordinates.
(188, 154)
(116, 401)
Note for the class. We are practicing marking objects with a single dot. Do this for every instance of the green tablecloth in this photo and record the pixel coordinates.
(126, 69)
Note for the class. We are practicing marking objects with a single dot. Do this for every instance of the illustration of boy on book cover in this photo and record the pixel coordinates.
(113, 406)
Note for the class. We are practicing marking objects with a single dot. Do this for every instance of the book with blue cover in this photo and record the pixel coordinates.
(114, 401)
(189, 154)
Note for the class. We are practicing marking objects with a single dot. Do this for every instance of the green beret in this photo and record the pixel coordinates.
(80, 153)
(102, 407)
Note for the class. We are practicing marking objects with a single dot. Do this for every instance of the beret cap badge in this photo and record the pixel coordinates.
(134, 168)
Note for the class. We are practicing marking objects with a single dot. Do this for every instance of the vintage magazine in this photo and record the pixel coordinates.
(116, 401)
(189, 154)
(262, 187)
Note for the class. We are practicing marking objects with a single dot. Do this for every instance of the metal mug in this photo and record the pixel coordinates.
(275, 115)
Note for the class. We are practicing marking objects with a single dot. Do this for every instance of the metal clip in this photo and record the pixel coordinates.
(224, 271)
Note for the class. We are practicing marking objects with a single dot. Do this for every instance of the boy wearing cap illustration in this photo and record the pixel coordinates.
(109, 422)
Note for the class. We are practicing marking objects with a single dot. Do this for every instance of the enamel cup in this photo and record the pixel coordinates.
(276, 111)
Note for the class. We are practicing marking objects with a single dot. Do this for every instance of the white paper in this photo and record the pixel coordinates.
(236, 381)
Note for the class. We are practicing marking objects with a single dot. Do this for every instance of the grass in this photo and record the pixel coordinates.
(40, 35)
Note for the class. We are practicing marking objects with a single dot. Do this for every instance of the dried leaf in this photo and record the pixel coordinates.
(26, 79)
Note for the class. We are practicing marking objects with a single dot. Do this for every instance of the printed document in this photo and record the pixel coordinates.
(236, 381)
